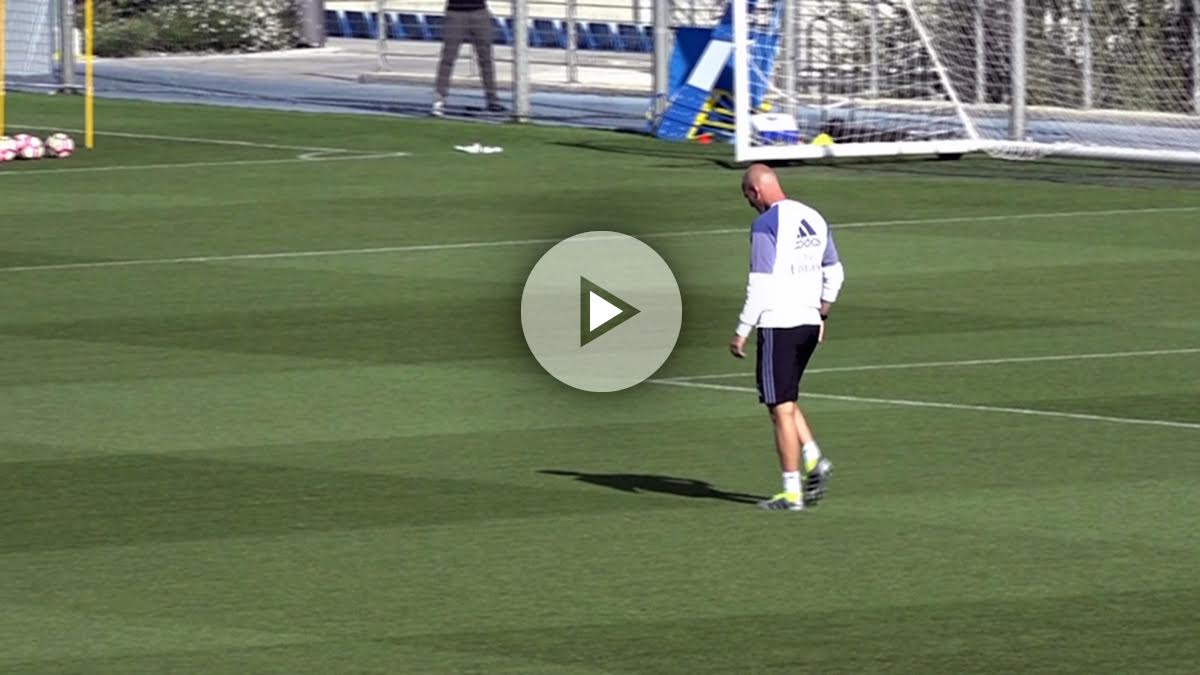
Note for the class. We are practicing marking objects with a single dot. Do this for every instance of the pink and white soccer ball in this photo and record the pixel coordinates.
(60, 145)
(8, 149)
(29, 147)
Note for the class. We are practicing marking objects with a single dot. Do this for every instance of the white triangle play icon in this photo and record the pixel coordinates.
(600, 311)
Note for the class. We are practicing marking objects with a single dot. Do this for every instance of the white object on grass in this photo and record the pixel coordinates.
(478, 149)
(30, 147)
(8, 149)
(60, 145)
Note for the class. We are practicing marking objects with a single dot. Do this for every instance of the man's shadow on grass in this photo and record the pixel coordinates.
(671, 485)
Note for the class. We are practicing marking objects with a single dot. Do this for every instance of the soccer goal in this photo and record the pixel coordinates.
(1019, 79)
(38, 52)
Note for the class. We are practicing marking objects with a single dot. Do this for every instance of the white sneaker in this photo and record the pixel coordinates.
(438, 109)
(781, 502)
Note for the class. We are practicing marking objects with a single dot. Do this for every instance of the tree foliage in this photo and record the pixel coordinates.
(133, 27)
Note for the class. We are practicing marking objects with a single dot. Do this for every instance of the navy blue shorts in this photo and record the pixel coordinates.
(783, 353)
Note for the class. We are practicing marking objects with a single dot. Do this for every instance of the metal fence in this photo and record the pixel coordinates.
(603, 46)
(829, 47)
(568, 41)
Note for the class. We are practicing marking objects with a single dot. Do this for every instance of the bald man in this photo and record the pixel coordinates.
(795, 277)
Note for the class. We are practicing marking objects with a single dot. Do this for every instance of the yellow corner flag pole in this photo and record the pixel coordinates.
(3, 65)
(89, 97)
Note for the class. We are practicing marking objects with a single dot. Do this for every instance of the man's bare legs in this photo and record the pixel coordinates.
(790, 428)
(804, 470)
(792, 437)
(805, 434)
(810, 452)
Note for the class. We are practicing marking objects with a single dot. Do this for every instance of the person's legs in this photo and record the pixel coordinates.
(777, 390)
(454, 30)
(787, 445)
(787, 436)
(810, 451)
(803, 431)
(481, 39)
(815, 467)
(783, 354)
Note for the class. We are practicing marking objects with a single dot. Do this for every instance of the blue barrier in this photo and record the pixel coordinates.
(543, 33)
(409, 27)
(362, 24)
(700, 79)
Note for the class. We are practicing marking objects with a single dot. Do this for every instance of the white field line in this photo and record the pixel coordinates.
(949, 406)
(193, 139)
(283, 255)
(967, 362)
(539, 241)
(319, 156)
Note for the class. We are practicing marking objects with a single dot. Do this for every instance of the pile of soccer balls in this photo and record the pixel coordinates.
(24, 146)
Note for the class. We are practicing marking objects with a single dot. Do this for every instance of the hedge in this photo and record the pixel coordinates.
(133, 27)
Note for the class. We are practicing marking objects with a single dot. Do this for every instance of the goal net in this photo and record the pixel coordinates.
(28, 36)
(1108, 79)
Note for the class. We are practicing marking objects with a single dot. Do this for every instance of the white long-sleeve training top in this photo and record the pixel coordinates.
(794, 266)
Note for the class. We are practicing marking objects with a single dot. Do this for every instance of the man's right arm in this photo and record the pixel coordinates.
(756, 302)
(762, 264)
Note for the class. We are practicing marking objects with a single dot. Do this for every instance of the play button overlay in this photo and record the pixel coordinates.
(601, 311)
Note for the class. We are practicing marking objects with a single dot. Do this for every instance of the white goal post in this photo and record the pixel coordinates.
(1017, 79)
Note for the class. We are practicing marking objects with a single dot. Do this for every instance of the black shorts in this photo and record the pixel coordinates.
(783, 354)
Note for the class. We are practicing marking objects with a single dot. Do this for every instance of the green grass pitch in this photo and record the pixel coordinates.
(349, 462)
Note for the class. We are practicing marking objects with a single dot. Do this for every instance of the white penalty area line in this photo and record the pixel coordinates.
(310, 153)
(318, 156)
(947, 406)
(412, 248)
(283, 255)
(966, 362)
(194, 139)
